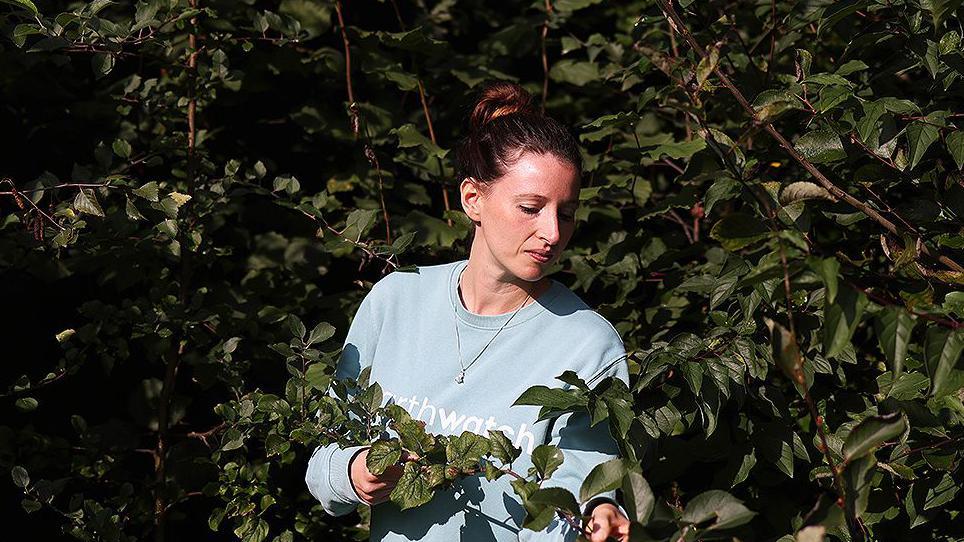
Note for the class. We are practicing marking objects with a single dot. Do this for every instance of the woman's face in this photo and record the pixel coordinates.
(526, 218)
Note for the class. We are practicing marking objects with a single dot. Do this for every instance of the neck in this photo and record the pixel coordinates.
(487, 289)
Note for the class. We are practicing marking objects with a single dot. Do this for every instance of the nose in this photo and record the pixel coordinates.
(549, 229)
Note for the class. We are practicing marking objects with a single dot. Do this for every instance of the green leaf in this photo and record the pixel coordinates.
(858, 476)
(576, 72)
(465, 450)
(30, 506)
(638, 497)
(86, 202)
(893, 327)
(413, 488)
(803, 190)
(26, 404)
(321, 333)
(871, 433)
(920, 136)
(132, 211)
(102, 63)
(412, 434)
(727, 510)
(556, 497)
(786, 352)
(821, 146)
(147, 191)
(122, 148)
(738, 230)
(546, 458)
(317, 376)
(20, 476)
(409, 136)
(232, 440)
(706, 66)
(941, 9)
(955, 145)
(942, 349)
(603, 477)
(296, 327)
(554, 398)
(383, 454)
(840, 320)
(23, 4)
(829, 270)
(501, 447)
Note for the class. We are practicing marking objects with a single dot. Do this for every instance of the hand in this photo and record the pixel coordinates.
(371, 488)
(607, 522)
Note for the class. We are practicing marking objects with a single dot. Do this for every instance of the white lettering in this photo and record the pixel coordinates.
(450, 421)
(524, 434)
(425, 405)
(473, 420)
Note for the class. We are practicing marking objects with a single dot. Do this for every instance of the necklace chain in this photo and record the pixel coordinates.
(461, 376)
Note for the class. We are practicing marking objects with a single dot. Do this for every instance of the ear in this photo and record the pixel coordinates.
(472, 198)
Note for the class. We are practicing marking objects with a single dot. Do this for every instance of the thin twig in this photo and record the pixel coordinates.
(545, 57)
(431, 134)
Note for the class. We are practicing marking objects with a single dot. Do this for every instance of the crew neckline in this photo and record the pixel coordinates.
(496, 321)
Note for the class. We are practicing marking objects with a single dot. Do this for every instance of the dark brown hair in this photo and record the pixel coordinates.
(503, 125)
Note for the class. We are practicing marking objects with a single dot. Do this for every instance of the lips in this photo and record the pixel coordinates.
(540, 256)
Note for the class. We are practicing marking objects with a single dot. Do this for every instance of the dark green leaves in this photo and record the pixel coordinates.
(821, 147)
(465, 450)
(86, 202)
(413, 488)
(603, 477)
(942, 349)
(501, 447)
(871, 433)
(23, 4)
(20, 477)
(637, 496)
(546, 459)
(955, 146)
(893, 327)
(841, 318)
(920, 135)
(724, 510)
(383, 454)
(738, 230)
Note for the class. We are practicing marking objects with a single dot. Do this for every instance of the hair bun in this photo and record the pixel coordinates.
(499, 98)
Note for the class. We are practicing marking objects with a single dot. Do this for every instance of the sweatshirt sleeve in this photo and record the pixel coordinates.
(328, 477)
(583, 448)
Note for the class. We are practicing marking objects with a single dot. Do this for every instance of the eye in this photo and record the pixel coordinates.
(528, 210)
(568, 217)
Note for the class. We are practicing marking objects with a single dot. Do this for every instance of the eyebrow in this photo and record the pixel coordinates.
(540, 197)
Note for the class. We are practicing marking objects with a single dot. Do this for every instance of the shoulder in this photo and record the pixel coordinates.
(573, 315)
(411, 282)
(598, 348)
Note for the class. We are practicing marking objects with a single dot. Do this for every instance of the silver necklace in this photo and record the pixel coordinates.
(461, 376)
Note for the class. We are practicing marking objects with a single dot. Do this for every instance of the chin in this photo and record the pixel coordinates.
(531, 272)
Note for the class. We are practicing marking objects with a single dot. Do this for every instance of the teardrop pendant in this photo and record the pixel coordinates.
(460, 378)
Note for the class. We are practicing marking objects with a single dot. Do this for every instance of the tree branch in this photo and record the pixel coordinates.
(671, 14)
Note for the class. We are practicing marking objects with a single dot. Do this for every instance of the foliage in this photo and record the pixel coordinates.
(771, 216)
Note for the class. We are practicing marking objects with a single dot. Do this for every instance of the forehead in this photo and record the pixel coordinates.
(540, 175)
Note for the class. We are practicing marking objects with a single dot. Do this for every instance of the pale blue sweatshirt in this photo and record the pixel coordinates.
(405, 330)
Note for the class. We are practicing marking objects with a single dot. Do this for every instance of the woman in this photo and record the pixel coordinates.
(456, 344)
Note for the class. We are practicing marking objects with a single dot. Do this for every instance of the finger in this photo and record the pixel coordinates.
(409, 456)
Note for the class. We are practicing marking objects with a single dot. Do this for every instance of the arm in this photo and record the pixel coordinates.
(328, 476)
